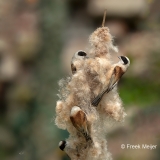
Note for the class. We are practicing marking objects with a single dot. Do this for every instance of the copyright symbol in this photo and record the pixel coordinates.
(122, 146)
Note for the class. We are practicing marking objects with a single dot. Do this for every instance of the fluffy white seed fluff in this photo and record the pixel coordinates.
(77, 93)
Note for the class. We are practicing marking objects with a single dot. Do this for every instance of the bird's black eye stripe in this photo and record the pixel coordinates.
(81, 53)
(63, 145)
(124, 59)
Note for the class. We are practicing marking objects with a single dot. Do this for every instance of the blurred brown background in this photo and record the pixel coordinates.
(37, 41)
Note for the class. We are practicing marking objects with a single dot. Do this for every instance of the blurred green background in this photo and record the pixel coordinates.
(37, 41)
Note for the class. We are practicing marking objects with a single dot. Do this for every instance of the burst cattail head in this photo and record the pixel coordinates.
(101, 40)
(87, 125)
(100, 35)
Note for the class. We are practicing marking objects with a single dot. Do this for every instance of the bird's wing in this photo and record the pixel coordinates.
(80, 122)
(115, 76)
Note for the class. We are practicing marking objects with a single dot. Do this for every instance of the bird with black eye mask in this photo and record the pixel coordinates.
(78, 60)
(118, 70)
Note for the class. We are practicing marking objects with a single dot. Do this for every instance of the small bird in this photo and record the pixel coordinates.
(79, 57)
(80, 122)
(119, 69)
(62, 145)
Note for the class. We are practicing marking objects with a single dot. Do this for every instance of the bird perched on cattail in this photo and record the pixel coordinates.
(80, 122)
(78, 60)
(118, 70)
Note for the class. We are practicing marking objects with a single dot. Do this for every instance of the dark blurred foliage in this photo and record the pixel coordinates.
(28, 95)
(38, 39)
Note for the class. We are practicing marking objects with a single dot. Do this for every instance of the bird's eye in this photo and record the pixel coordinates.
(82, 53)
(124, 59)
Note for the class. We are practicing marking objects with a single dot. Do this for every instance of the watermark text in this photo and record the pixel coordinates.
(138, 146)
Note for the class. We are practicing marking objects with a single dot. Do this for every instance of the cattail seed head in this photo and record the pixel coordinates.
(102, 41)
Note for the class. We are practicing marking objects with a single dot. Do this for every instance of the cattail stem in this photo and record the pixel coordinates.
(104, 18)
